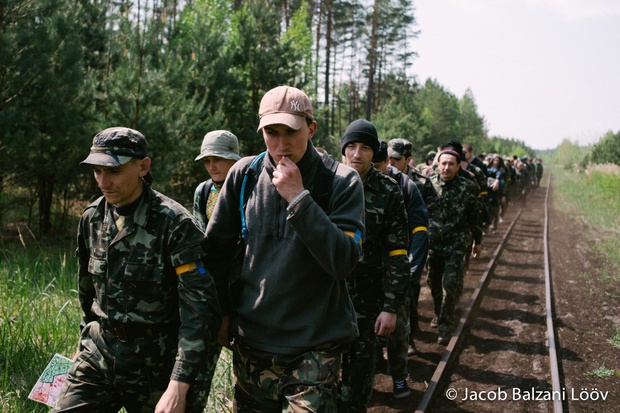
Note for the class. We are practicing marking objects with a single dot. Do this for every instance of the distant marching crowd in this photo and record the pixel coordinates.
(509, 179)
(304, 266)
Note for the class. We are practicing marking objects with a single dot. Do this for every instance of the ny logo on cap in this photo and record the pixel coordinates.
(295, 105)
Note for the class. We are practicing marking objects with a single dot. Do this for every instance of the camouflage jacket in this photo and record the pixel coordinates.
(483, 192)
(424, 185)
(128, 274)
(458, 214)
(375, 285)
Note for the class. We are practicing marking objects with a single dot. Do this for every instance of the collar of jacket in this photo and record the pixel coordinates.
(306, 162)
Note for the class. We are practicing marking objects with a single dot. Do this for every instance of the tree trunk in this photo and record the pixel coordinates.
(371, 61)
(328, 48)
(46, 195)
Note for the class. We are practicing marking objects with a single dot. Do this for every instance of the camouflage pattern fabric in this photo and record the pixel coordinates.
(127, 282)
(426, 188)
(459, 217)
(358, 370)
(457, 214)
(483, 193)
(277, 383)
(198, 394)
(430, 197)
(373, 285)
(474, 174)
(398, 343)
(445, 272)
(110, 374)
(407, 316)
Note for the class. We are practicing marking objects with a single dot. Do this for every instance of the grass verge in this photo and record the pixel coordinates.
(40, 316)
(593, 198)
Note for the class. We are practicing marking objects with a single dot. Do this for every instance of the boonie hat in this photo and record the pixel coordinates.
(399, 147)
(116, 146)
(285, 105)
(220, 143)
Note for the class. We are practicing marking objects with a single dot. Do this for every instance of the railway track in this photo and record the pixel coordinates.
(503, 353)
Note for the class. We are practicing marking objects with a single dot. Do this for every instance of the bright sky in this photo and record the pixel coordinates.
(541, 71)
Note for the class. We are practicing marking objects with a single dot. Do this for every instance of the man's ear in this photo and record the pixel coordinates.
(312, 128)
(145, 166)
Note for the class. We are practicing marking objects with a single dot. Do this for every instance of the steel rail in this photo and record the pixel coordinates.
(474, 302)
(553, 357)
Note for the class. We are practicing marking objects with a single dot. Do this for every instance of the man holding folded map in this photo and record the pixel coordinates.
(150, 310)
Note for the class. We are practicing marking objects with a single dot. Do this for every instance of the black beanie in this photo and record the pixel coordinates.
(381, 155)
(456, 145)
(360, 130)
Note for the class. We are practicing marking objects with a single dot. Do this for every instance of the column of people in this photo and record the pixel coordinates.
(292, 260)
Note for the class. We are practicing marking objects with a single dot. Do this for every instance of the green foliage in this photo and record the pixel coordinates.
(440, 114)
(399, 116)
(175, 70)
(568, 154)
(607, 150)
(42, 79)
(601, 373)
(594, 198)
(615, 338)
(39, 317)
(507, 147)
(471, 124)
(607, 184)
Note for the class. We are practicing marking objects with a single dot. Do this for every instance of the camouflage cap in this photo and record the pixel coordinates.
(116, 146)
(399, 147)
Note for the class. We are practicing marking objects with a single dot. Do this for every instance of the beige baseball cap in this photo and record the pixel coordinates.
(285, 105)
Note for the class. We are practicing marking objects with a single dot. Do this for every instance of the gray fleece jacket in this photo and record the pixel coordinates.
(288, 291)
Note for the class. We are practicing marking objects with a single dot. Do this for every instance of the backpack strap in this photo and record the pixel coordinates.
(254, 169)
(323, 182)
(321, 193)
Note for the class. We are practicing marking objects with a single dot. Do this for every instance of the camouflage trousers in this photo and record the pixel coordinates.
(274, 383)
(397, 343)
(358, 369)
(445, 272)
(109, 374)
(469, 239)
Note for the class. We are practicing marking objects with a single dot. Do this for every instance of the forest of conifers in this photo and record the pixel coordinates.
(177, 69)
